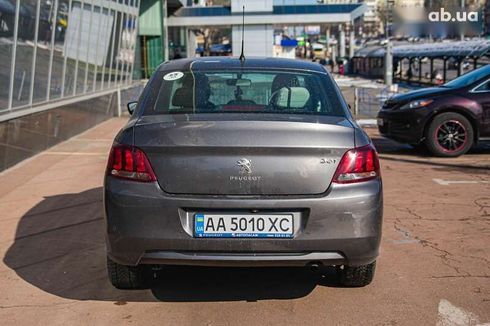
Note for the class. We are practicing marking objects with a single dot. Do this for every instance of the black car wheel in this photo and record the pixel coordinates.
(449, 135)
(126, 277)
(356, 276)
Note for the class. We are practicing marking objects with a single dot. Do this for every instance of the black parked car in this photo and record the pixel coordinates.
(448, 120)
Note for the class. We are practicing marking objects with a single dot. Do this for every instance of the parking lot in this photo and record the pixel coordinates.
(434, 267)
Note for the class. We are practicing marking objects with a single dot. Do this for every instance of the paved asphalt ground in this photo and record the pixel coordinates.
(434, 267)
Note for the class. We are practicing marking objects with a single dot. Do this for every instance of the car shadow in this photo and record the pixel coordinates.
(388, 146)
(59, 247)
(205, 284)
(390, 150)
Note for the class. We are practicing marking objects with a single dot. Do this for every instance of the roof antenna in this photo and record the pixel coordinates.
(242, 55)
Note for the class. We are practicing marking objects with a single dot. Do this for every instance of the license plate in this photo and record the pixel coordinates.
(380, 122)
(243, 226)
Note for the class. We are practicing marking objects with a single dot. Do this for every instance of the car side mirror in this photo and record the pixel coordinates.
(132, 107)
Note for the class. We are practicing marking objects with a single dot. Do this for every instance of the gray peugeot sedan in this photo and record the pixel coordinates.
(229, 162)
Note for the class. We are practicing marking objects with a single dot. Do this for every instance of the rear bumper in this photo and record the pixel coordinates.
(147, 226)
(248, 260)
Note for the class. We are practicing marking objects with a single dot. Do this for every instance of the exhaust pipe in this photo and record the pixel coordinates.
(314, 265)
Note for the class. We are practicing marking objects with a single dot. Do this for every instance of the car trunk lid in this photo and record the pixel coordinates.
(244, 154)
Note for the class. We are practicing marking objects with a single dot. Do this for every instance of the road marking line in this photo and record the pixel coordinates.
(93, 140)
(75, 153)
(405, 241)
(450, 315)
(443, 182)
(367, 122)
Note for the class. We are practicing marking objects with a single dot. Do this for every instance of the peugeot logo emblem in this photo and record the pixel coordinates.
(245, 165)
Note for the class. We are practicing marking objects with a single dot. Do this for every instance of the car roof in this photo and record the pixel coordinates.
(211, 63)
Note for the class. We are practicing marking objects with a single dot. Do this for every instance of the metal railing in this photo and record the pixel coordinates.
(368, 101)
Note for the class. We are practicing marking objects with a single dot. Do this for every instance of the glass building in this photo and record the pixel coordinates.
(59, 49)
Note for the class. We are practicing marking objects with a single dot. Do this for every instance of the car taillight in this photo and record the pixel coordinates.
(357, 165)
(128, 162)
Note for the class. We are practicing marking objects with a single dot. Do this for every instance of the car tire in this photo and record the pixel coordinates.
(125, 277)
(449, 135)
(356, 276)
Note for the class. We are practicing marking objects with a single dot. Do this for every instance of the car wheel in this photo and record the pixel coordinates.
(356, 276)
(125, 277)
(449, 135)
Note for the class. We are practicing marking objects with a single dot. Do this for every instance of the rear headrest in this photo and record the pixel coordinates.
(183, 98)
(284, 80)
(292, 97)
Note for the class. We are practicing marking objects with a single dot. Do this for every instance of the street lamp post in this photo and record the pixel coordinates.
(388, 67)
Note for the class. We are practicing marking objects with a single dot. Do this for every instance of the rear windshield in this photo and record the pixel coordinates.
(246, 91)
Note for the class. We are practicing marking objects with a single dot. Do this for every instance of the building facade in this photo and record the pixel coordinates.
(61, 49)
(153, 45)
(486, 19)
(65, 66)
(262, 17)
(373, 23)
